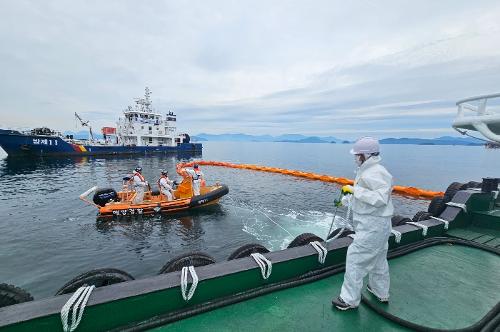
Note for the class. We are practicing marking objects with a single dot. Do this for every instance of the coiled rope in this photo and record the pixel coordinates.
(76, 304)
(322, 251)
(445, 222)
(397, 235)
(184, 282)
(419, 225)
(405, 191)
(265, 265)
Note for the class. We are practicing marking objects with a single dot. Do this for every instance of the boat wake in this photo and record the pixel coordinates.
(276, 229)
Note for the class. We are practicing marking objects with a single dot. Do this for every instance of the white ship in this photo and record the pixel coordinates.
(140, 130)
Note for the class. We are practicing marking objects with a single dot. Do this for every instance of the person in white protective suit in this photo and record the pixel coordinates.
(165, 185)
(197, 178)
(372, 209)
(139, 184)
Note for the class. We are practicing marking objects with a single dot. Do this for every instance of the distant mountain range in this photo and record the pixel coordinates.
(295, 138)
(298, 138)
(444, 140)
(83, 134)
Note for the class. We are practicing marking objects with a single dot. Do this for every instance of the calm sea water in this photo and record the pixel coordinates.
(48, 236)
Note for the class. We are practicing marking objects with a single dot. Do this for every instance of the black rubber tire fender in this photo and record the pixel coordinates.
(210, 196)
(421, 215)
(436, 206)
(97, 277)
(247, 250)
(184, 260)
(303, 239)
(452, 189)
(10, 294)
(337, 230)
(398, 220)
(473, 184)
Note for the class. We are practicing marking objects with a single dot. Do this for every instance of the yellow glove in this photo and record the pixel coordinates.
(347, 190)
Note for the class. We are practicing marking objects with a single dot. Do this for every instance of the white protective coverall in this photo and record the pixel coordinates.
(372, 211)
(196, 176)
(139, 185)
(166, 187)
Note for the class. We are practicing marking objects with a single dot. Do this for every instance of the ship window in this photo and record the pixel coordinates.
(142, 127)
(150, 128)
(151, 140)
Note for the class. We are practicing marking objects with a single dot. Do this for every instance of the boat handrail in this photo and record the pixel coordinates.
(476, 98)
(480, 119)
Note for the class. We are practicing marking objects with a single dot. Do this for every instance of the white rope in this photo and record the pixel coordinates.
(322, 251)
(336, 236)
(187, 295)
(417, 224)
(458, 205)
(351, 236)
(76, 303)
(446, 222)
(265, 265)
(397, 235)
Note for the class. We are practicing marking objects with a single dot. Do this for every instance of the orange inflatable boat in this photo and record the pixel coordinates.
(111, 203)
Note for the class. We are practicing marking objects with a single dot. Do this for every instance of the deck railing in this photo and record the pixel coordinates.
(473, 114)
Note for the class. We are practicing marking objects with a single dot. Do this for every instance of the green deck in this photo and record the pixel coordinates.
(445, 286)
(482, 235)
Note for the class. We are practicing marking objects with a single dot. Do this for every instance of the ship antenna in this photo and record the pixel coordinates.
(147, 100)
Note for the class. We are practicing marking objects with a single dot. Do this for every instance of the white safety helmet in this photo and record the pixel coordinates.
(366, 145)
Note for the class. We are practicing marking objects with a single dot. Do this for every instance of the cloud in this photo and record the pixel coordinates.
(259, 67)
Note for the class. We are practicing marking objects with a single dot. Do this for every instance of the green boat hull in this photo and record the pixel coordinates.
(233, 295)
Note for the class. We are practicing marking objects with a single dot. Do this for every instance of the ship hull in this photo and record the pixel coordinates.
(17, 144)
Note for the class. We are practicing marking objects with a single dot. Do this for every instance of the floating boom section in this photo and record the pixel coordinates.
(405, 191)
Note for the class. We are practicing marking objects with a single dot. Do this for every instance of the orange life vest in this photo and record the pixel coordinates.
(159, 185)
(198, 174)
(140, 177)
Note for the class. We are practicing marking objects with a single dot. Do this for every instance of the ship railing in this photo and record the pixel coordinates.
(52, 133)
(144, 121)
(473, 114)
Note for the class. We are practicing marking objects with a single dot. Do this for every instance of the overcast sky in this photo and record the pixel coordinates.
(342, 68)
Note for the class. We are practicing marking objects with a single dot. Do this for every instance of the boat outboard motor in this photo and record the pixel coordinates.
(489, 185)
(103, 196)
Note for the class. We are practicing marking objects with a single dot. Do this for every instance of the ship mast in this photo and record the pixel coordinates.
(144, 104)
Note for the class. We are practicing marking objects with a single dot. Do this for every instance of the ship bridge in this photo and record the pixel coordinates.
(142, 126)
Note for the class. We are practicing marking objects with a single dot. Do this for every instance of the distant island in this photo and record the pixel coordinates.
(289, 138)
(444, 140)
(298, 138)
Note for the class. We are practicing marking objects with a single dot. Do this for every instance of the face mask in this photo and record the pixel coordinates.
(358, 160)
